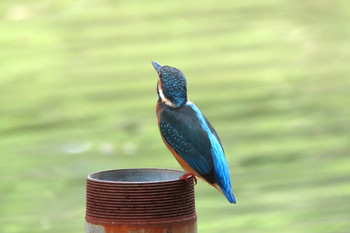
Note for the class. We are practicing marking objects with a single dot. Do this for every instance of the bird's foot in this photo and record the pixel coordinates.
(188, 175)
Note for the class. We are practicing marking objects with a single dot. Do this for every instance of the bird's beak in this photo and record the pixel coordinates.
(156, 66)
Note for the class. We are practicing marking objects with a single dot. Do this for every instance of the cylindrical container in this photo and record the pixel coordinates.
(146, 200)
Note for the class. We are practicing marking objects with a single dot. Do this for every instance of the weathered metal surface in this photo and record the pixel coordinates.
(140, 201)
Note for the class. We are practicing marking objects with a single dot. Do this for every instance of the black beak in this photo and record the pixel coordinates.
(156, 66)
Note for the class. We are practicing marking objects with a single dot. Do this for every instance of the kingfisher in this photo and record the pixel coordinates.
(188, 134)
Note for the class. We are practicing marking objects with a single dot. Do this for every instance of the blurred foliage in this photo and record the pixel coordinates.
(78, 94)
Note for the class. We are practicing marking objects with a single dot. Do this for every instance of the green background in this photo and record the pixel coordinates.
(78, 95)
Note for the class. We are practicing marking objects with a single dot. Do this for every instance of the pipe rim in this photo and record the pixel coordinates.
(180, 173)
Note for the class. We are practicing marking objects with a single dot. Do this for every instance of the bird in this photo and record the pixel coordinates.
(188, 134)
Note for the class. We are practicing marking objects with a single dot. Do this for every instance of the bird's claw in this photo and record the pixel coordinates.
(188, 175)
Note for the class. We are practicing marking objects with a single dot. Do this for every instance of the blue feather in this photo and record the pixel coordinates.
(221, 171)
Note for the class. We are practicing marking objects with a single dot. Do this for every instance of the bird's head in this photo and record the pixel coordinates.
(171, 86)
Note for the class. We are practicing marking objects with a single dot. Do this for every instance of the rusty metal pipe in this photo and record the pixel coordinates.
(145, 200)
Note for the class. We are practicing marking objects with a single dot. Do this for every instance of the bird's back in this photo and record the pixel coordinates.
(193, 138)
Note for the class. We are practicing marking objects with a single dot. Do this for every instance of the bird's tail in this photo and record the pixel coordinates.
(230, 197)
(227, 192)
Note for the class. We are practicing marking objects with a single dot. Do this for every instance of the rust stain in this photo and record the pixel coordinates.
(182, 227)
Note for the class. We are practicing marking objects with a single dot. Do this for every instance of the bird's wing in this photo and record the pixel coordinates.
(182, 130)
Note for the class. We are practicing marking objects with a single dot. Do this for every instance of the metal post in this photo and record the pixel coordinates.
(140, 201)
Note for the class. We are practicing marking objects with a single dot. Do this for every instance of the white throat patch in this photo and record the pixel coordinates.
(164, 99)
